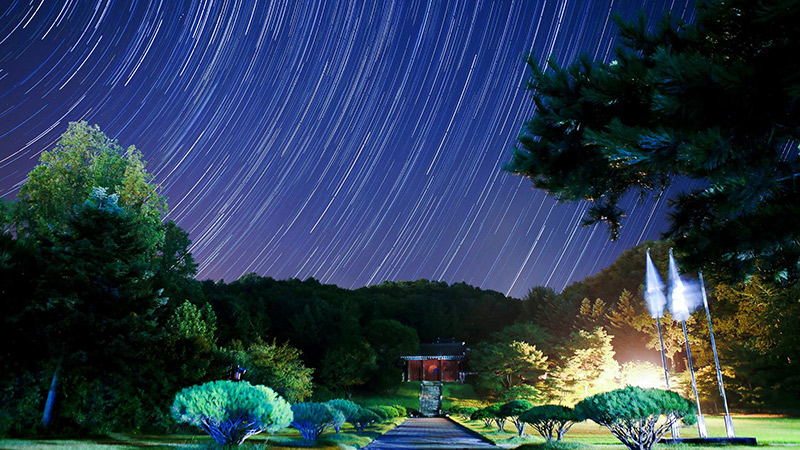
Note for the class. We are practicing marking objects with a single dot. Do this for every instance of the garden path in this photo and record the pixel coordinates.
(429, 434)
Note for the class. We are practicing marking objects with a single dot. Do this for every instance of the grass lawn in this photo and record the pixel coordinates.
(768, 431)
(288, 439)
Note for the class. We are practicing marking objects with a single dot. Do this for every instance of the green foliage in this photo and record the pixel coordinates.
(759, 341)
(634, 415)
(550, 420)
(588, 366)
(312, 419)
(190, 322)
(363, 418)
(85, 158)
(230, 412)
(384, 413)
(401, 410)
(512, 410)
(389, 339)
(278, 366)
(348, 410)
(714, 101)
(503, 366)
(484, 414)
(494, 412)
(348, 366)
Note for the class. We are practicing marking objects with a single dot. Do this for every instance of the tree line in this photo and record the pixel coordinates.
(103, 320)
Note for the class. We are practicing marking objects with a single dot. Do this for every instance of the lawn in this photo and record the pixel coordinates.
(780, 431)
(288, 439)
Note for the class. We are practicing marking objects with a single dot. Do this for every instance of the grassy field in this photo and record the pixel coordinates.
(288, 439)
(769, 431)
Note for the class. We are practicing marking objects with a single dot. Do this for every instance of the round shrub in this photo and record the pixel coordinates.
(466, 411)
(632, 414)
(401, 410)
(550, 420)
(312, 419)
(384, 413)
(230, 411)
(347, 409)
(483, 414)
(512, 410)
(363, 419)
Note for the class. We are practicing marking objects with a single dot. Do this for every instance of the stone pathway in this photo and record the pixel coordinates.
(429, 433)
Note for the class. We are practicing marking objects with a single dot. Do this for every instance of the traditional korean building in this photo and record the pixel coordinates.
(443, 360)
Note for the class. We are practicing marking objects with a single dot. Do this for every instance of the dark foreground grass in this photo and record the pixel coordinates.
(288, 439)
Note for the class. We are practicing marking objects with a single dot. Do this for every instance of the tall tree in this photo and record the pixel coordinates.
(588, 365)
(93, 217)
(716, 101)
(85, 158)
(510, 369)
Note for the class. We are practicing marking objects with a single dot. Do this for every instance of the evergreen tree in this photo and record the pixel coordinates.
(716, 101)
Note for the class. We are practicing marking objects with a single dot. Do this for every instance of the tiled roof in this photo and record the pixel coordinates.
(442, 349)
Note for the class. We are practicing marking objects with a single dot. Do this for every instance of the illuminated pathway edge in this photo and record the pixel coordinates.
(428, 433)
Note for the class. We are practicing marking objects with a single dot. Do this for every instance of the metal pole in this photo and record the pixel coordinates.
(701, 422)
(674, 428)
(729, 431)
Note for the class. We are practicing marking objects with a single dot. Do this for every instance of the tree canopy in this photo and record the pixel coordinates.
(715, 102)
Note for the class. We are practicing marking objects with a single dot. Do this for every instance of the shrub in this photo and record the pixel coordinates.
(512, 410)
(483, 414)
(312, 419)
(499, 420)
(363, 419)
(231, 412)
(550, 419)
(346, 407)
(384, 413)
(632, 414)
(466, 411)
(401, 410)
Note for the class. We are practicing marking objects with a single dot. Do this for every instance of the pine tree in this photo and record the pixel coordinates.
(716, 101)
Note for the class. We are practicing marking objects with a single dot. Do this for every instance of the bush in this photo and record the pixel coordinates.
(512, 410)
(632, 414)
(550, 419)
(363, 419)
(384, 413)
(483, 414)
(401, 410)
(230, 411)
(466, 411)
(499, 420)
(346, 407)
(312, 419)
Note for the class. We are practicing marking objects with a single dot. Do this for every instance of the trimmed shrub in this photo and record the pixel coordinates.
(549, 420)
(384, 413)
(364, 418)
(230, 411)
(483, 414)
(512, 410)
(346, 407)
(499, 420)
(632, 414)
(401, 410)
(466, 411)
(312, 419)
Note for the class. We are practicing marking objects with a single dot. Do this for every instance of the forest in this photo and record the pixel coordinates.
(104, 321)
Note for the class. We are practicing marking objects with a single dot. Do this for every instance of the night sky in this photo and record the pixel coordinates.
(353, 142)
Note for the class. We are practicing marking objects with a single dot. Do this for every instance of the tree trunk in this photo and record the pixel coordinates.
(47, 416)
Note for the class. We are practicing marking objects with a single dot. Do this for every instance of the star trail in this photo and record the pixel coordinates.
(349, 141)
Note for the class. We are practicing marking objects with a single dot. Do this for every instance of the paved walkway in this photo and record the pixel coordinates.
(429, 433)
